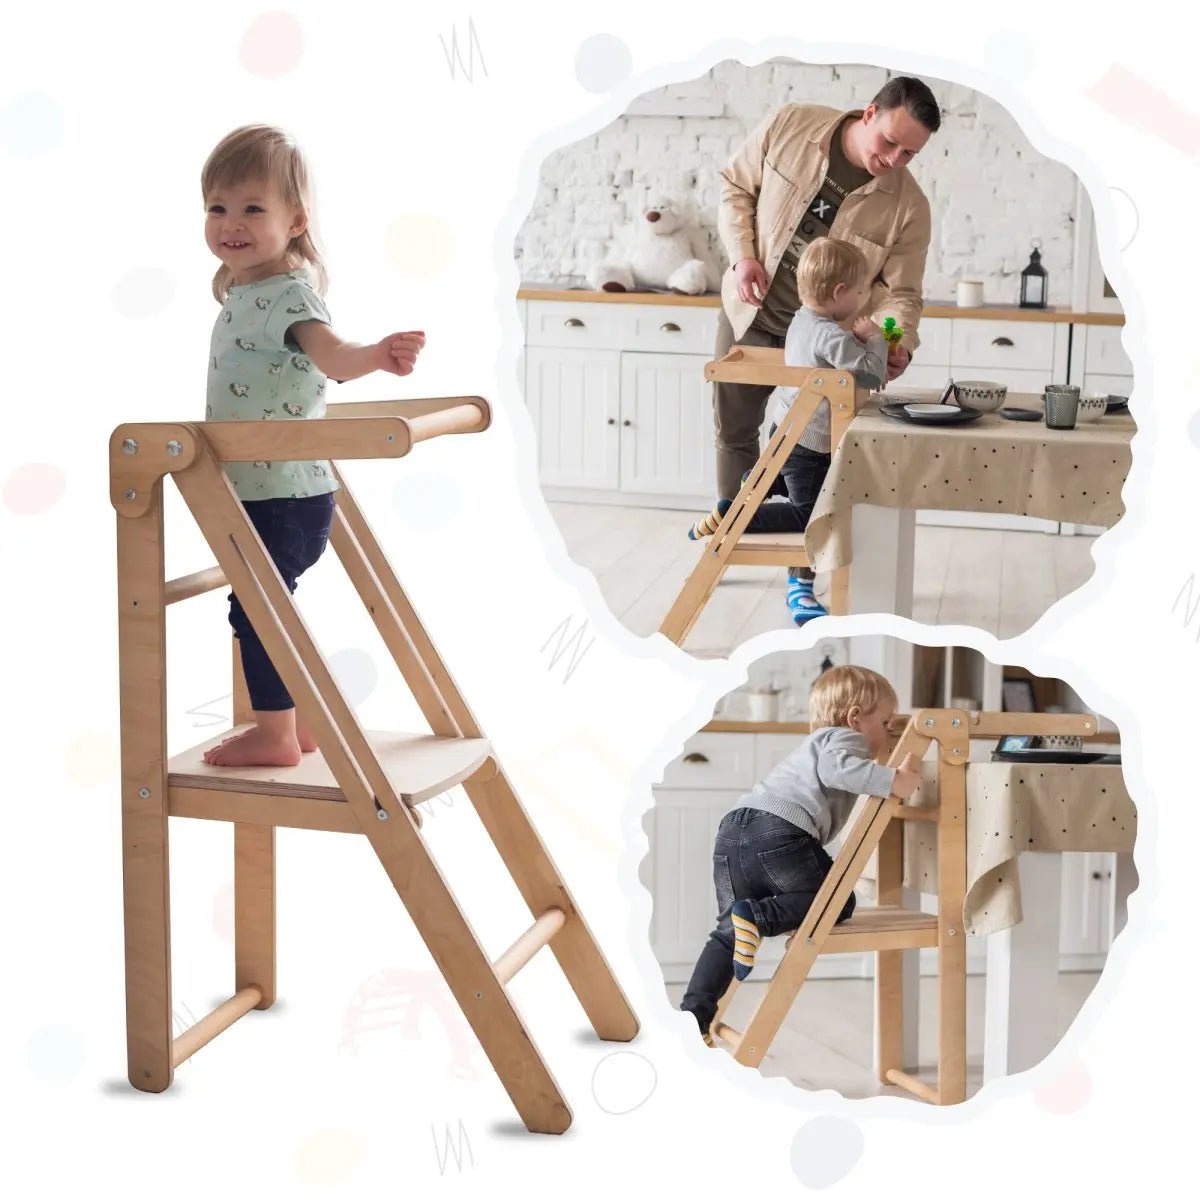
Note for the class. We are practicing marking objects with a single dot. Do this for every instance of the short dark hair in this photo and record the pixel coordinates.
(906, 92)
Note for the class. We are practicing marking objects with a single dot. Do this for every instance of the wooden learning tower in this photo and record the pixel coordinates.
(888, 928)
(731, 544)
(356, 782)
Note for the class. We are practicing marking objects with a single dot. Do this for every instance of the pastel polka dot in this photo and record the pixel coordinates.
(426, 500)
(420, 245)
(143, 293)
(223, 913)
(1010, 54)
(31, 125)
(272, 45)
(355, 673)
(826, 1150)
(1128, 218)
(328, 1158)
(93, 759)
(602, 61)
(622, 1082)
(1070, 1092)
(55, 1053)
(34, 488)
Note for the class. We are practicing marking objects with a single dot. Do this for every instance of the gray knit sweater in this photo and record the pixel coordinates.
(815, 341)
(816, 786)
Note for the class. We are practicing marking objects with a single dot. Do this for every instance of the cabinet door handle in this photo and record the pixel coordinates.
(669, 327)
(612, 420)
(1097, 875)
(573, 323)
(626, 423)
(695, 757)
(1002, 341)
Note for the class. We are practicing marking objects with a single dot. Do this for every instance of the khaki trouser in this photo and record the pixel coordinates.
(738, 412)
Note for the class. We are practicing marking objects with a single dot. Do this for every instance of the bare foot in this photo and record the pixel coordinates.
(308, 743)
(254, 748)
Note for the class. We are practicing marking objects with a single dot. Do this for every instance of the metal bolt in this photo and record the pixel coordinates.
(817, 382)
(952, 932)
(478, 995)
(957, 749)
(129, 446)
(175, 447)
(956, 722)
(381, 814)
(144, 793)
(841, 383)
(391, 437)
(928, 722)
(130, 494)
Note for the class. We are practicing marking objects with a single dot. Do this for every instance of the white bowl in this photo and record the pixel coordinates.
(1092, 407)
(980, 394)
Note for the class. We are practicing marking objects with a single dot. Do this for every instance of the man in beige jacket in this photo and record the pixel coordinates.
(809, 171)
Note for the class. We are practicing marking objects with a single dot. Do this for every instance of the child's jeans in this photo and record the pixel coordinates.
(777, 867)
(803, 472)
(295, 532)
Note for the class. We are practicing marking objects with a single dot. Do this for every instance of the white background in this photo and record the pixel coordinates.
(106, 115)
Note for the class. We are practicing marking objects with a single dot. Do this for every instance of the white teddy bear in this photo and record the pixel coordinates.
(664, 249)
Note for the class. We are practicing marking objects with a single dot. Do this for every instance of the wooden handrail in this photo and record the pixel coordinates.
(195, 584)
(464, 418)
(408, 408)
(217, 1021)
(289, 440)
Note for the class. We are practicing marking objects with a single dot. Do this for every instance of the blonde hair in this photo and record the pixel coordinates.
(254, 152)
(825, 263)
(839, 689)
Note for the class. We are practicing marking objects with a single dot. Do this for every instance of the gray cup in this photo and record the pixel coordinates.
(1062, 405)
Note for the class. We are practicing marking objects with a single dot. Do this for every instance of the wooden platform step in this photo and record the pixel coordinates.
(419, 766)
(769, 549)
(888, 927)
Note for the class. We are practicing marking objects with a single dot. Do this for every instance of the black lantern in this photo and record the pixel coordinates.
(1033, 281)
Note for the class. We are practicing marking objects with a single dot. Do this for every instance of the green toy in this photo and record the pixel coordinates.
(892, 332)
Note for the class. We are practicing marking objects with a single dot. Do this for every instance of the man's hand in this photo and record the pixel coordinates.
(397, 352)
(908, 775)
(752, 281)
(897, 362)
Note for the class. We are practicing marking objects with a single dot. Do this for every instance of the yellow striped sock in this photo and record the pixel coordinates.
(745, 939)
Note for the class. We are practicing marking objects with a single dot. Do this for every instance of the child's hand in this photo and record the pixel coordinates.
(398, 352)
(908, 776)
(864, 329)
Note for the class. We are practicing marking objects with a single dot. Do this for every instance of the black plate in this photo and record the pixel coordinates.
(1020, 414)
(1075, 758)
(954, 415)
(1117, 405)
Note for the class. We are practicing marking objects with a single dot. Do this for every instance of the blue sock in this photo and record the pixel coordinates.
(803, 605)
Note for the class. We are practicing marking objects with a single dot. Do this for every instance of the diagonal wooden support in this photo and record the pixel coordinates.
(725, 547)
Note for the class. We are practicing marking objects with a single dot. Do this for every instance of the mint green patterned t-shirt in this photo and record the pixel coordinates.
(257, 372)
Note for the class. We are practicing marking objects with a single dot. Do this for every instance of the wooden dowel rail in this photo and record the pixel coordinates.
(904, 1080)
(466, 418)
(195, 584)
(730, 1036)
(529, 943)
(217, 1021)
(909, 812)
(408, 408)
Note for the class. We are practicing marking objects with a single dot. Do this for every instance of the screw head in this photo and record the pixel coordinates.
(175, 447)
(817, 382)
(928, 722)
(841, 383)
(952, 932)
(129, 445)
(144, 793)
(956, 722)
(381, 814)
(130, 494)
(957, 749)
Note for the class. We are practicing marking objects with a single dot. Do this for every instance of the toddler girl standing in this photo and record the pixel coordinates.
(273, 350)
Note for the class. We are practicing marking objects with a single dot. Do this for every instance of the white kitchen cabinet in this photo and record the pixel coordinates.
(709, 778)
(575, 403)
(666, 425)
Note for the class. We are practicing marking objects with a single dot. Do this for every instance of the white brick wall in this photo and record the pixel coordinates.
(990, 191)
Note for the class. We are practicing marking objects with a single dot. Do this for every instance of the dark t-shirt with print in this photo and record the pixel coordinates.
(841, 178)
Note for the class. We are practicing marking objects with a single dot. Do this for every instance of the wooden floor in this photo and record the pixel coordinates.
(995, 580)
(827, 1039)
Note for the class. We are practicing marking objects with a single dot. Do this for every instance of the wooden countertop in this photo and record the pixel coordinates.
(941, 309)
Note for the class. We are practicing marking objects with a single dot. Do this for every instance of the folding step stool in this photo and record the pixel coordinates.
(357, 782)
(731, 544)
(888, 928)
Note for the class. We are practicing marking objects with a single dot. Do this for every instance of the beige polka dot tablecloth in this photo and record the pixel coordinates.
(991, 465)
(1013, 807)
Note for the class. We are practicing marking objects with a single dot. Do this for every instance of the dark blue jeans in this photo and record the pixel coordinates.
(295, 533)
(798, 484)
(777, 867)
